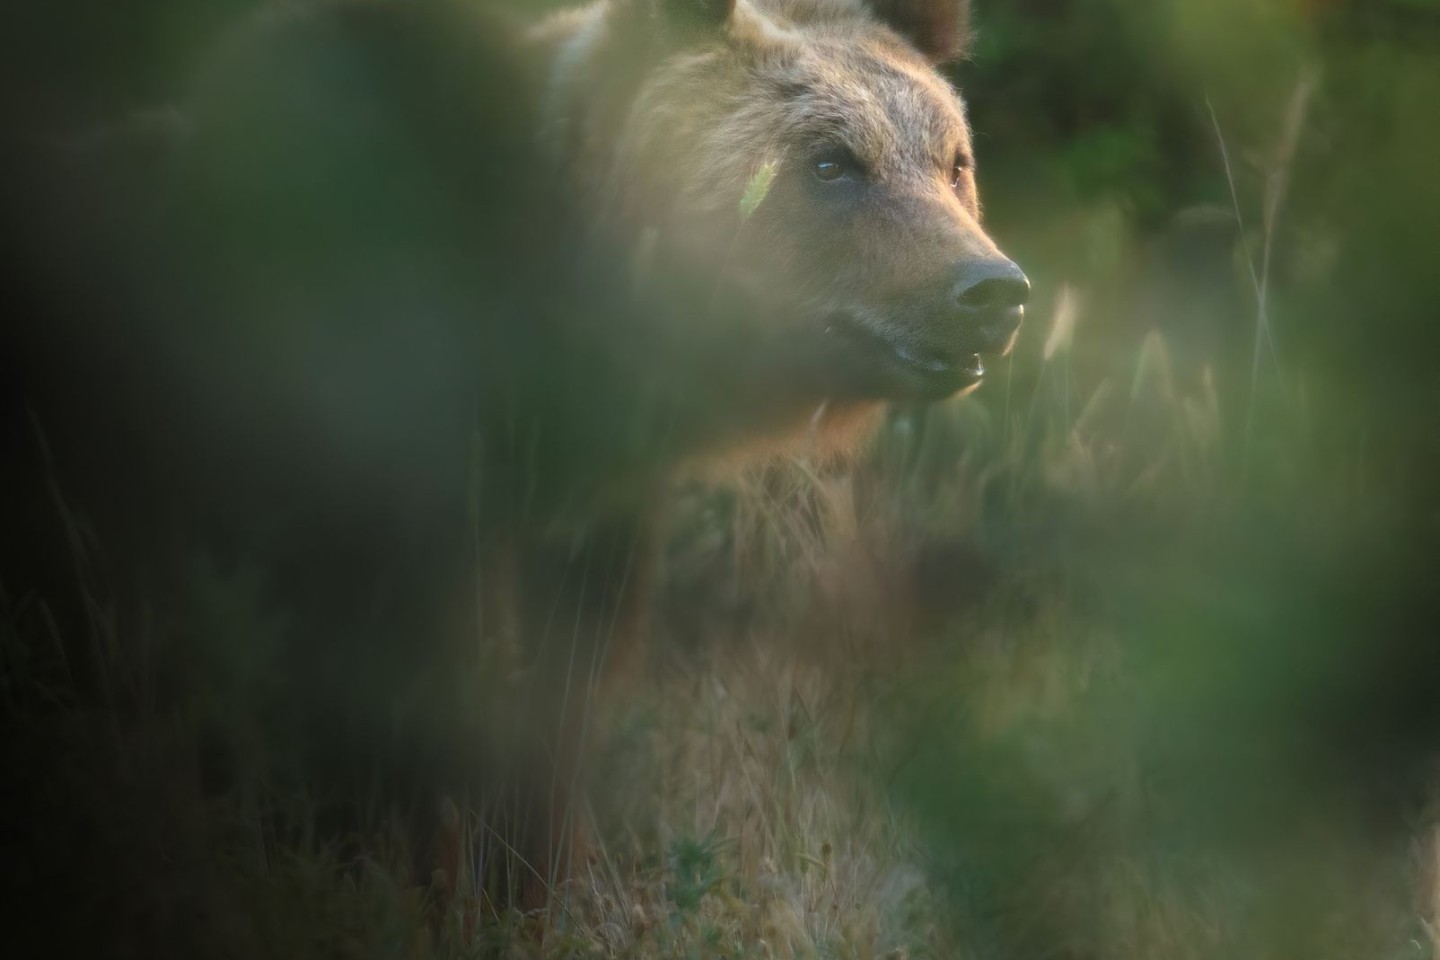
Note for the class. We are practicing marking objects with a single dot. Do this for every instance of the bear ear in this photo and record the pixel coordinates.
(737, 20)
(940, 29)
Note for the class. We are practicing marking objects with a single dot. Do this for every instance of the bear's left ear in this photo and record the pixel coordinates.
(940, 29)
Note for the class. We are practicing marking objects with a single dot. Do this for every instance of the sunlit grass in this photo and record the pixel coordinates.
(914, 724)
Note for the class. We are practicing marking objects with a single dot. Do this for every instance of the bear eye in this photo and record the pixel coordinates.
(957, 170)
(832, 165)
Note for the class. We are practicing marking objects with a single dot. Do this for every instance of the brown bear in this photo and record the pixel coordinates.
(425, 310)
(866, 220)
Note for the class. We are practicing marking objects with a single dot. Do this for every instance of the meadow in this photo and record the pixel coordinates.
(1131, 654)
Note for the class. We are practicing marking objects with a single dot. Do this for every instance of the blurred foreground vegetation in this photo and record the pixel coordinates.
(1133, 654)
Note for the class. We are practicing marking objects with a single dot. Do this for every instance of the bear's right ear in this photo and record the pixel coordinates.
(737, 20)
(939, 29)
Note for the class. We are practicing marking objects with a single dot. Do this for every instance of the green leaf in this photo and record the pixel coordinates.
(757, 188)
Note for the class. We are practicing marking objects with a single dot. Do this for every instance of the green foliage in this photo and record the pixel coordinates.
(695, 869)
(1166, 655)
(757, 189)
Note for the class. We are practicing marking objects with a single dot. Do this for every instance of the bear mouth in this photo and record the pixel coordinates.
(945, 376)
(901, 371)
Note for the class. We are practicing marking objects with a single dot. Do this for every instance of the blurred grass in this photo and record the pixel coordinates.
(1130, 655)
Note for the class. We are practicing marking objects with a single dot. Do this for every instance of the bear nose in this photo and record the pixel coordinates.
(991, 285)
(991, 295)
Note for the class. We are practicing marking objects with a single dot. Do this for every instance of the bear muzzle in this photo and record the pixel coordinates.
(986, 307)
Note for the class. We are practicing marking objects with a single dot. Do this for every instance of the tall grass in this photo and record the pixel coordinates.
(1107, 661)
(920, 712)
